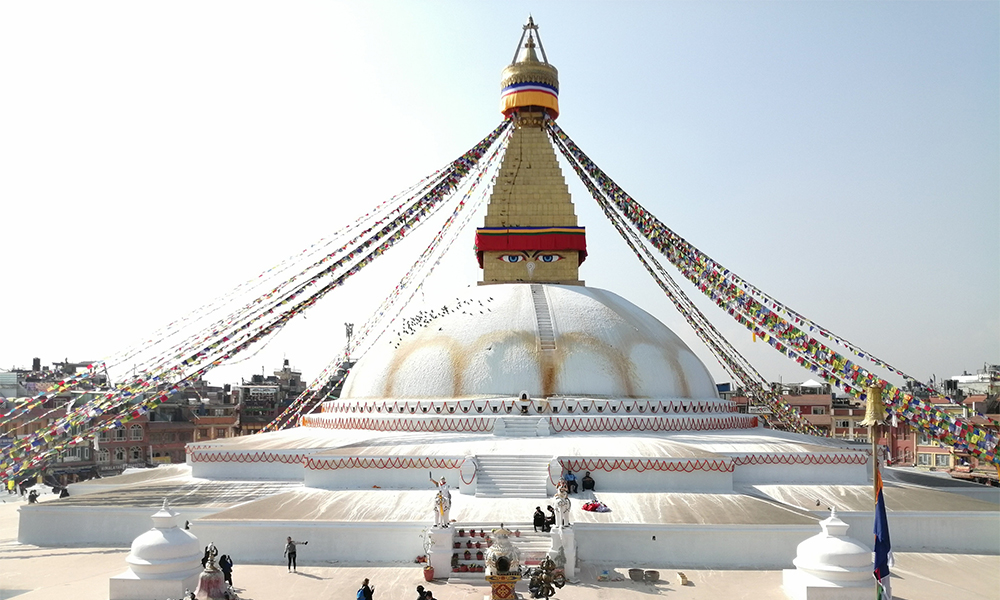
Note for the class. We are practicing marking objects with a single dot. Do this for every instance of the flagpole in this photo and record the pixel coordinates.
(874, 414)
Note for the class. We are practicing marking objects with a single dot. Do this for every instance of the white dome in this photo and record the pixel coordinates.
(165, 551)
(497, 344)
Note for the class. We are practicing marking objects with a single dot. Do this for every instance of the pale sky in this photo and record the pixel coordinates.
(842, 156)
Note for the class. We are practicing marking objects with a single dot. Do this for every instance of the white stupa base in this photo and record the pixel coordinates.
(128, 586)
(799, 585)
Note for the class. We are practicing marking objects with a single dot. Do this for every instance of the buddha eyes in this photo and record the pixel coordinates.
(516, 258)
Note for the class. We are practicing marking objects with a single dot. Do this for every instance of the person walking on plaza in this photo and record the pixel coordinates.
(290, 553)
(366, 592)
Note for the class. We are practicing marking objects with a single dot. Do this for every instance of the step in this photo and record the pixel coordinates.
(513, 476)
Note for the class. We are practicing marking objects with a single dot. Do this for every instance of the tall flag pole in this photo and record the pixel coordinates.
(874, 415)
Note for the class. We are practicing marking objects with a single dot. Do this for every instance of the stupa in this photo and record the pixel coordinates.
(535, 375)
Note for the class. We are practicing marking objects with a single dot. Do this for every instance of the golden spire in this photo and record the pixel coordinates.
(530, 234)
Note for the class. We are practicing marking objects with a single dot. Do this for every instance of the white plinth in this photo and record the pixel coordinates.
(803, 586)
(128, 586)
(564, 536)
(440, 551)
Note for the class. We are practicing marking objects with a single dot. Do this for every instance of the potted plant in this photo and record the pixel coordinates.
(461, 533)
(468, 555)
(468, 544)
(428, 573)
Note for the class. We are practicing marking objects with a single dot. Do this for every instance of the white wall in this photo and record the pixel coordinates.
(257, 464)
(970, 532)
(846, 474)
(263, 542)
(50, 525)
(389, 478)
(691, 546)
(651, 479)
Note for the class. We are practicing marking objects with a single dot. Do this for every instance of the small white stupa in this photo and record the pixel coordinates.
(164, 562)
(831, 566)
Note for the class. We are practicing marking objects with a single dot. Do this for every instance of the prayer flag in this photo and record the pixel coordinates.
(883, 549)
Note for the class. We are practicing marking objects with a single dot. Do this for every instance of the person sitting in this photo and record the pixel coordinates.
(539, 518)
(588, 482)
(570, 479)
(550, 520)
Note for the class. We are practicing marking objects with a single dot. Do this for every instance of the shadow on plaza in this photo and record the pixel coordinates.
(31, 552)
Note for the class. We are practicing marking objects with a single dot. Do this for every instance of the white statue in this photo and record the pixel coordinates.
(562, 505)
(442, 503)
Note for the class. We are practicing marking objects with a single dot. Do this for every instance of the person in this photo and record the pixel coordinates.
(366, 591)
(226, 564)
(428, 595)
(421, 594)
(290, 553)
(32, 496)
(571, 485)
(204, 559)
(63, 493)
(539, 518)
(550, 520)
(588, 481)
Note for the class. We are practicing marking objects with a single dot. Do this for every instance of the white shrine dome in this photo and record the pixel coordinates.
(166, 550)
(499, 342)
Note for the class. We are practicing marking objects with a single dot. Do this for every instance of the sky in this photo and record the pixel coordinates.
(842, 156)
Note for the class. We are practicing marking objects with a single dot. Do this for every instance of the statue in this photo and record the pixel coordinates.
(562, 505)
(442, 502)
(545, 579)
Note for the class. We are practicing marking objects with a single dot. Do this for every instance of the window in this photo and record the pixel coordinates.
(925, 440)
(104, 436)
(119, 454)
(203, 434)
(219, 412)
(103, 455)
(924, 459)
(845, 423)
(818, 410)
(120, 434)
(85, 453)
(942, 460)
(220, 432)
(135, 433)
(135, 454)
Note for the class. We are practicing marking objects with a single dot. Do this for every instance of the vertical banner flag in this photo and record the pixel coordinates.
(883, 549)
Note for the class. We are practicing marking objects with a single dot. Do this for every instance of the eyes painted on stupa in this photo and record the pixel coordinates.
(537, 256)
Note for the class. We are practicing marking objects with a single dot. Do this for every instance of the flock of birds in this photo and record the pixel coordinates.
(424, 318)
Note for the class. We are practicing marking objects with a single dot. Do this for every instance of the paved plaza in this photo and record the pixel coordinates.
(80, 573)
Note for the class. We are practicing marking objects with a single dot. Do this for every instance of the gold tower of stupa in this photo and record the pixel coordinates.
(530, 234)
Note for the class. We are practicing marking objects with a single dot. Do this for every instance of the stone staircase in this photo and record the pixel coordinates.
(543, 319)
(513, 476)
(519, 426)
(533, 546)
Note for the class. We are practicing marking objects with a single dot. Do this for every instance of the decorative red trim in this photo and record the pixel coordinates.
(358, 462)
(653, 464)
